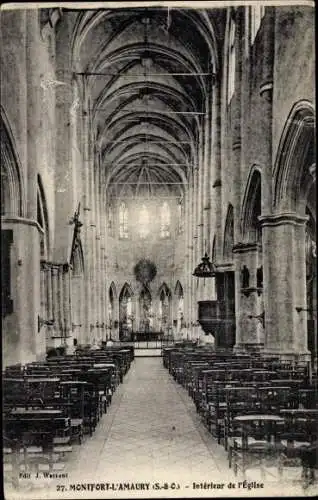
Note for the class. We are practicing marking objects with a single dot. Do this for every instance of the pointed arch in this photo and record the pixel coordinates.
(112, 296)
(112, 292)
(179, 305)
(295, 158)
(252, 206)
(228, 240)
(12, 193)
(126, 291)
(165, 290)
(178, 290)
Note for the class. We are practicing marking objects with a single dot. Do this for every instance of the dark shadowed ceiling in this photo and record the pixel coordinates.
(148, 73)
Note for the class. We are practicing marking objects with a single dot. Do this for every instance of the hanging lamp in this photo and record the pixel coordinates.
(205, 269)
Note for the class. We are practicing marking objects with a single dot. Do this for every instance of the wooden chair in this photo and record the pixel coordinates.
(240, 400)
(299, 438)
(254, 441)
(72, 393)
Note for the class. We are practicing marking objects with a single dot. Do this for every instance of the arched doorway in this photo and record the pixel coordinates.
(145, 313)
(224, 334)
(164, 313)
(112, 296)
(249, 263)
(179, 308)
(12, 207)
(125, 313)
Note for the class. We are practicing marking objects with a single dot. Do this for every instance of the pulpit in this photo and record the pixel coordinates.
(207, 315)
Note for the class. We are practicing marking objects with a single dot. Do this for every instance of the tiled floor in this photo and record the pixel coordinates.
(151, 434)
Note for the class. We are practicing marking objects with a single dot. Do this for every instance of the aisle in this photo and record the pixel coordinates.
(151, 432)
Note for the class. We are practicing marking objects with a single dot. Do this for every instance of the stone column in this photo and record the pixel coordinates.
(196, 257)
(285, 282)
(61, 302)
(43, 294)
(92, 243)
(33, 108)
(249, 324)
(188, 292)
(67, 311)
(266, 118)
(236, 118)
(41, 341)
(49, 298)
(216, 174)
(55, 303)
(115, 329)
(98, 268)
(86, 224)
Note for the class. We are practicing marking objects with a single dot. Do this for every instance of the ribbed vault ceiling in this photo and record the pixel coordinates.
(147, 72)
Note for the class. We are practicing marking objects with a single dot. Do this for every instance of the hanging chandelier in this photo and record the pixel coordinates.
(205, 269)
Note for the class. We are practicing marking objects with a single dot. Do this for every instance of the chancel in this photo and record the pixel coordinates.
(158, 243)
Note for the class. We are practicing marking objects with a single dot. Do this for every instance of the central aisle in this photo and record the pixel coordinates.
(150, 433)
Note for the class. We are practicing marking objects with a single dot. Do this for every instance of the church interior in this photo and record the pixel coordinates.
(158, 246)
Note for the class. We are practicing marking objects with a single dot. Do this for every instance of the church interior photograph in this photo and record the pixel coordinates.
(158, 249)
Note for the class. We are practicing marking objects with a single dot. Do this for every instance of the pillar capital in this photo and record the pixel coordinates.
(282, 219)
(45, 266)
(246, 247)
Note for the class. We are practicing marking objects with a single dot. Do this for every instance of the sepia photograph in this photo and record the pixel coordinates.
(158, 250)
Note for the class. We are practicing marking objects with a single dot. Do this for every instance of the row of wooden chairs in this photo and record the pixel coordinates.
(257, 407)
(48, 406)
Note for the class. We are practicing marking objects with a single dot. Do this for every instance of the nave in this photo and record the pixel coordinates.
(158, 185)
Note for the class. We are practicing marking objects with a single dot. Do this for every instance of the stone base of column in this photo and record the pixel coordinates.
(288, 355)
(239, 348)
(256, 347)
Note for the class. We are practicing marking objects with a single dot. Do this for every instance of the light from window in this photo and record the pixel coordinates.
(129, 307)
(257, 13)
(123, 220)
(165, 221)
(180, 216)
(232, 61)
(143, 222)
(110, 220)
